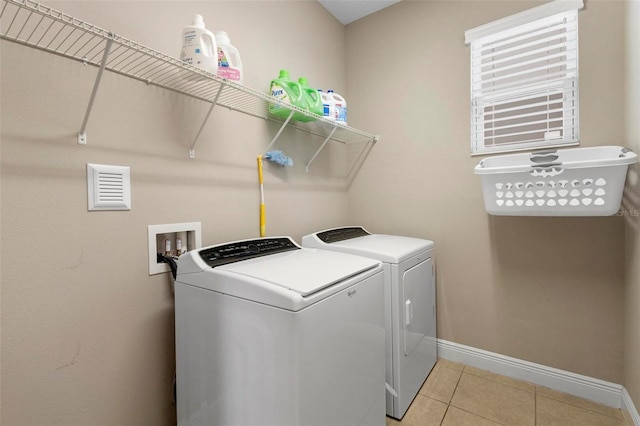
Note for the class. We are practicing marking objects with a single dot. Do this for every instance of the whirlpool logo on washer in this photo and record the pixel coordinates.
(351, 293)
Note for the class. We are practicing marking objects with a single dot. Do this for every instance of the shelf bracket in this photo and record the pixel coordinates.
(361, 158)
(275, 138)
(320, 149)
(82, 136)
(192, 152)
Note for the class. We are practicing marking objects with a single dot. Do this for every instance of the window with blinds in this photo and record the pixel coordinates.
(524, 80)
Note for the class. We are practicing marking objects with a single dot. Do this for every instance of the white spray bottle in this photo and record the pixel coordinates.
(199, 46)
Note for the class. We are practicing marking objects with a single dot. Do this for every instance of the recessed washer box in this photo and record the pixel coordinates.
(164, 239)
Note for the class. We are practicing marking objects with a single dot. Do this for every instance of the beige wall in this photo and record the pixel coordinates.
(87, 335)
(632, 209)
(546, 290)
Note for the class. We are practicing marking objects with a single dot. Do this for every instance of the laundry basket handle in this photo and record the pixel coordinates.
(546, 170)
(544, 156)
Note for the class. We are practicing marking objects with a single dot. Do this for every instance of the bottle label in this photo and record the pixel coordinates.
(279, 93)
(186, 58)
(229, 73)
(189, 38)
(188, 41)
(222, 59)
(341, 113)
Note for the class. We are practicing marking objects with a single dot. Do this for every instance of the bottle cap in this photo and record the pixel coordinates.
(222, 37)
(303, 81)
(198, 21)
(284, 74)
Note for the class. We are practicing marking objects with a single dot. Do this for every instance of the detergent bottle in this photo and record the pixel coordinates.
(328, 106)
(229, 63)
(199, 46)
(340, 108)
(312, 101)
(288, 92)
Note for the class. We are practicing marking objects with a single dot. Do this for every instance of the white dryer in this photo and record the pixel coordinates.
(269, 333)
(410, 305)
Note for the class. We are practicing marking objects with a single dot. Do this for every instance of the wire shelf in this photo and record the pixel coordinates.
(35, 25)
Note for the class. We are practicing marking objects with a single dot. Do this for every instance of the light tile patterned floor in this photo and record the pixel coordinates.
(458, 395)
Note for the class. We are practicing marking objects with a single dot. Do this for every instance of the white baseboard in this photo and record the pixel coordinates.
(627, 404)
(596, 390)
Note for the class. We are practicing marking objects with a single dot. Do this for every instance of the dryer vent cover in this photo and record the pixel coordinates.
(109, 187)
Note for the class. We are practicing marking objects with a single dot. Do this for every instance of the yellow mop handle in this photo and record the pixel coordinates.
(263, 222)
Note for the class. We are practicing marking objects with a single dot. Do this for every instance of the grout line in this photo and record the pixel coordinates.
(584, 408)
(536, 394)
(482, 417)
(464, 367)
(562, 401)
(457, 383)
(454, 390)
(445, 414)
(503, 383)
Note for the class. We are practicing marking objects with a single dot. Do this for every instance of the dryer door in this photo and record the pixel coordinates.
(417, 304)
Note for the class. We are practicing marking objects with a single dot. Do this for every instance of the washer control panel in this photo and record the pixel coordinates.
(341, 234)
(244, 250)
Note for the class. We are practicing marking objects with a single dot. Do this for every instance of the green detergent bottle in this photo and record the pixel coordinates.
(312, 101)
(287, 91)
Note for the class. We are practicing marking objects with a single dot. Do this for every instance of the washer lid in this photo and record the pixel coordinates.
(386, 248)
(303, 271)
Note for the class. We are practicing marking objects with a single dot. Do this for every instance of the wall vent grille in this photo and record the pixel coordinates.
(109, 187)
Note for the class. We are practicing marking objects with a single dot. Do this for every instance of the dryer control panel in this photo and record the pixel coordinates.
(341, 234)
(244, 250)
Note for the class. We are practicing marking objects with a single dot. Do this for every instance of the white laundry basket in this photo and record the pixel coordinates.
(570, 182)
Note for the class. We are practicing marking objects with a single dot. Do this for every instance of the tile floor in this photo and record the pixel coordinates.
(458, 395)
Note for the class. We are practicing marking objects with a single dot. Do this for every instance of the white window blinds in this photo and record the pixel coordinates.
(524, 80)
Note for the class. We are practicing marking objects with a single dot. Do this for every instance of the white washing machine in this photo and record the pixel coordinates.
(410, 305)
(269, 333)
